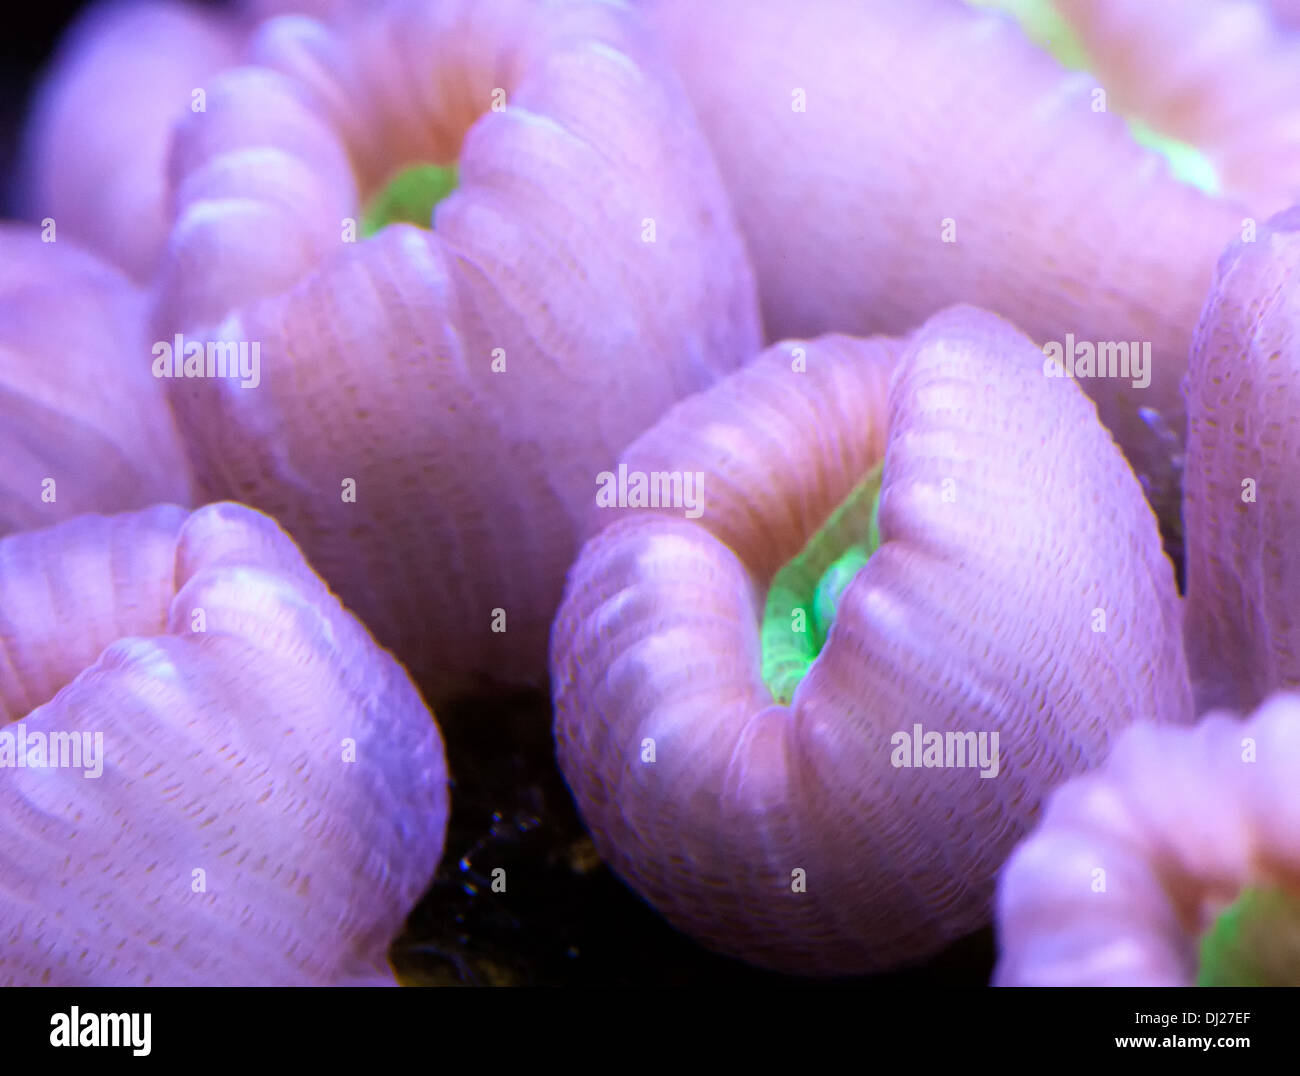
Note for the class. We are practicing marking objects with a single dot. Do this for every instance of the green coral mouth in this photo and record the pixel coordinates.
(1254, 942)
(409, 197)
(1186, 162)
(805, 594)
(1046, 28)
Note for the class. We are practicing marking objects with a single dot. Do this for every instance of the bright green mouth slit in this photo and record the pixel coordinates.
(409, 197)
(1045, 27)
(805, 594)
(1186, 162)
(1254, 942)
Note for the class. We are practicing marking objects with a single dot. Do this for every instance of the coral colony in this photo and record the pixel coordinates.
(874, 426)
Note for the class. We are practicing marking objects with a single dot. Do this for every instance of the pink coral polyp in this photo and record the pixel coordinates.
(792, 835)
(83, 427)
(1242, 511)
(1134, 864)
(467, 382)
(261, 795)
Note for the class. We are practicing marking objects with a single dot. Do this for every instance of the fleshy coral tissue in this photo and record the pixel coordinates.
(872, 428)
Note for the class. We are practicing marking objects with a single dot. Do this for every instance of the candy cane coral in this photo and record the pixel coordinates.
(211, 774)
(1242, 510)
(83, 426)
(97, 142)
(1218, 75)
(747, 702)
(440, 400)
(1174, 864)
(931, 154)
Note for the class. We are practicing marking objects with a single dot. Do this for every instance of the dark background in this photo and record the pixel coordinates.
(25, 46)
